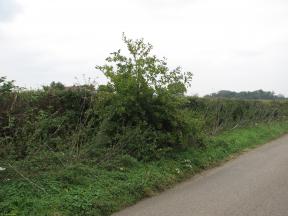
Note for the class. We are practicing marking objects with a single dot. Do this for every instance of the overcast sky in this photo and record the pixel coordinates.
(227, 44)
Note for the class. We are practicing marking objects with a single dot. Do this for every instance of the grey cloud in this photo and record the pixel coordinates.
(8, 9)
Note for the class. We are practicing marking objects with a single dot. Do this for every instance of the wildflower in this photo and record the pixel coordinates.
(178, 170)
(2, 168)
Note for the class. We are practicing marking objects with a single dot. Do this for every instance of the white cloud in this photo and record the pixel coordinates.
(8, 9)
(237, 45)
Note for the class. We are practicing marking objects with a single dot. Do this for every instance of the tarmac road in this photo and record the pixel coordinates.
(254, 184)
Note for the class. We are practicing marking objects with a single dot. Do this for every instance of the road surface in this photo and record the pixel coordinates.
(254, 184)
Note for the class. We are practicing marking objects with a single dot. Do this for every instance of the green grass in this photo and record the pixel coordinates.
(87, 189)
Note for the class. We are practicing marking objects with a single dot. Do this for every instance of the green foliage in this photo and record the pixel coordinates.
(141, 73)
(87, 122)
(6, 86)
(142, 99)
(255, 95)
(54, 86)
(33, 121)
(221, 114)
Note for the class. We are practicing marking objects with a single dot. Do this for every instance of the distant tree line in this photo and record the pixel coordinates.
(248, 95)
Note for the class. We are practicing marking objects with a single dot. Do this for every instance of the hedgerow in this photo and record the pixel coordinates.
(74, 120)
(141, 112)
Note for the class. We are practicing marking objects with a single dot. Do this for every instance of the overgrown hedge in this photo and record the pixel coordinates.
(141, 112)
(33, 120)
(219, 114)
(66, 120)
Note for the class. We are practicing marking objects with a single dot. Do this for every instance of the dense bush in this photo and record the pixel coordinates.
(141, 116)
(38, 120)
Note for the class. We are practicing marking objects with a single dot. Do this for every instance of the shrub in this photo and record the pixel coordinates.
(144, 96)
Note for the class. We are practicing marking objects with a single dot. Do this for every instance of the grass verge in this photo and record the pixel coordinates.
(88, 189)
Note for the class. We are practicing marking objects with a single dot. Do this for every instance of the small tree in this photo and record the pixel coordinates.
(144, 94)
(141, 71)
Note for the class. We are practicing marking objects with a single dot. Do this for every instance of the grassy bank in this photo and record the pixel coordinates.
(91, 189)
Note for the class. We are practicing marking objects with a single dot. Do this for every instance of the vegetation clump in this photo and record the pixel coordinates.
(143, 98)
